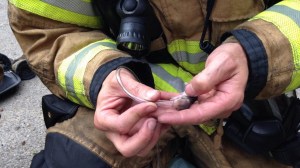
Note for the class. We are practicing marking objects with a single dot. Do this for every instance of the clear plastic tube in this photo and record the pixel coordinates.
(180, 102)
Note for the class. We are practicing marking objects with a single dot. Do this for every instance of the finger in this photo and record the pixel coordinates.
(148, 147)
(138, 89)
(214, 73)
(130, 146)
(167, 95)
(116, 103)
(137, 126)
(162, 110)
(111, 120)
(160, 130)
(207, 95)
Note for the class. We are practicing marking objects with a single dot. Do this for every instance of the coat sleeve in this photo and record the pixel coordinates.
(271, 41)
(72, 61)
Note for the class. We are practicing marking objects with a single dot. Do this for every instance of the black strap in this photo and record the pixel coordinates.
(206, 46)
(57, 110)
(269, 3)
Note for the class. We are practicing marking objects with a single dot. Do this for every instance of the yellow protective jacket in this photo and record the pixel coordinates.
(64, 45)
(70, 54)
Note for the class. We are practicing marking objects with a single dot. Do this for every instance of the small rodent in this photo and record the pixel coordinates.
(183, 101)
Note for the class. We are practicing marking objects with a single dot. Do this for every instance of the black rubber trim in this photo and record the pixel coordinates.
(257, 61)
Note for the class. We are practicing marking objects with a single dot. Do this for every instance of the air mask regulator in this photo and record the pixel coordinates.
(137, 27)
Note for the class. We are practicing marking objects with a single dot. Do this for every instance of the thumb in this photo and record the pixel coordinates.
(208, 79)
(135, 88)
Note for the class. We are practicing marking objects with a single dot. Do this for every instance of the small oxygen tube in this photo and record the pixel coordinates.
(180, 102)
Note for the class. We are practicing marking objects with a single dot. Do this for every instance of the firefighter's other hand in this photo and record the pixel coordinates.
(126, 123)
(220, 87)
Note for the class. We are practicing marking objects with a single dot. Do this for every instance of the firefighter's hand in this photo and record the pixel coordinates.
(220, 87)
(128, 124)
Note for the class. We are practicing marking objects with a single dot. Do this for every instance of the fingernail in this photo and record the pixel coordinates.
(190, 90)
(151, 124)
(151, 107)
(150, 94)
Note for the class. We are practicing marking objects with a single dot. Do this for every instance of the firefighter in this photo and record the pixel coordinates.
(248, 49)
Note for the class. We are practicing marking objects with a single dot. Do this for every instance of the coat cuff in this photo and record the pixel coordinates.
(141, 70)
(257, 61)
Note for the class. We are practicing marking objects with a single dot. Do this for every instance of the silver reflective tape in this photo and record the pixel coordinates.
(289, 12)
(177, 83)
(76, 62)
(77, 6)
(181, 56)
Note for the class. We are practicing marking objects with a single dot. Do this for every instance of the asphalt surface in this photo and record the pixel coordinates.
(22, 130)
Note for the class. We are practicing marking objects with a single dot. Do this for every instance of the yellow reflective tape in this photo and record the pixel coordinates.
(208, 129)
(53, 12)
(107, 41)
(291, 30)
(294, 4)
(79, 75)
(72, 97)
(193, 68)
(184, 45)
(63, 68)
(177, 72)
(188, 55)
(177, 83)
(161, 84)
(72, 69)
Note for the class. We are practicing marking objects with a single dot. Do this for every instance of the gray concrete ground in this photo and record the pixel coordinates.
(22, 130)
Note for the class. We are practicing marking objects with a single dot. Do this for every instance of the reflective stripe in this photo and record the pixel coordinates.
(294, 4)
(72, 69)
(286, 17)
(193, 68)
(172, 84)
(161, 84)
(184, 45)
(177, 72)
(208, 129)
(73, 12)
(285, 10)
(76, 6)
(169, 77)
(193, 58)
(188, 55)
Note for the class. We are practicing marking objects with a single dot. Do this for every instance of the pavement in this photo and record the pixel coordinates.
(22, 130)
